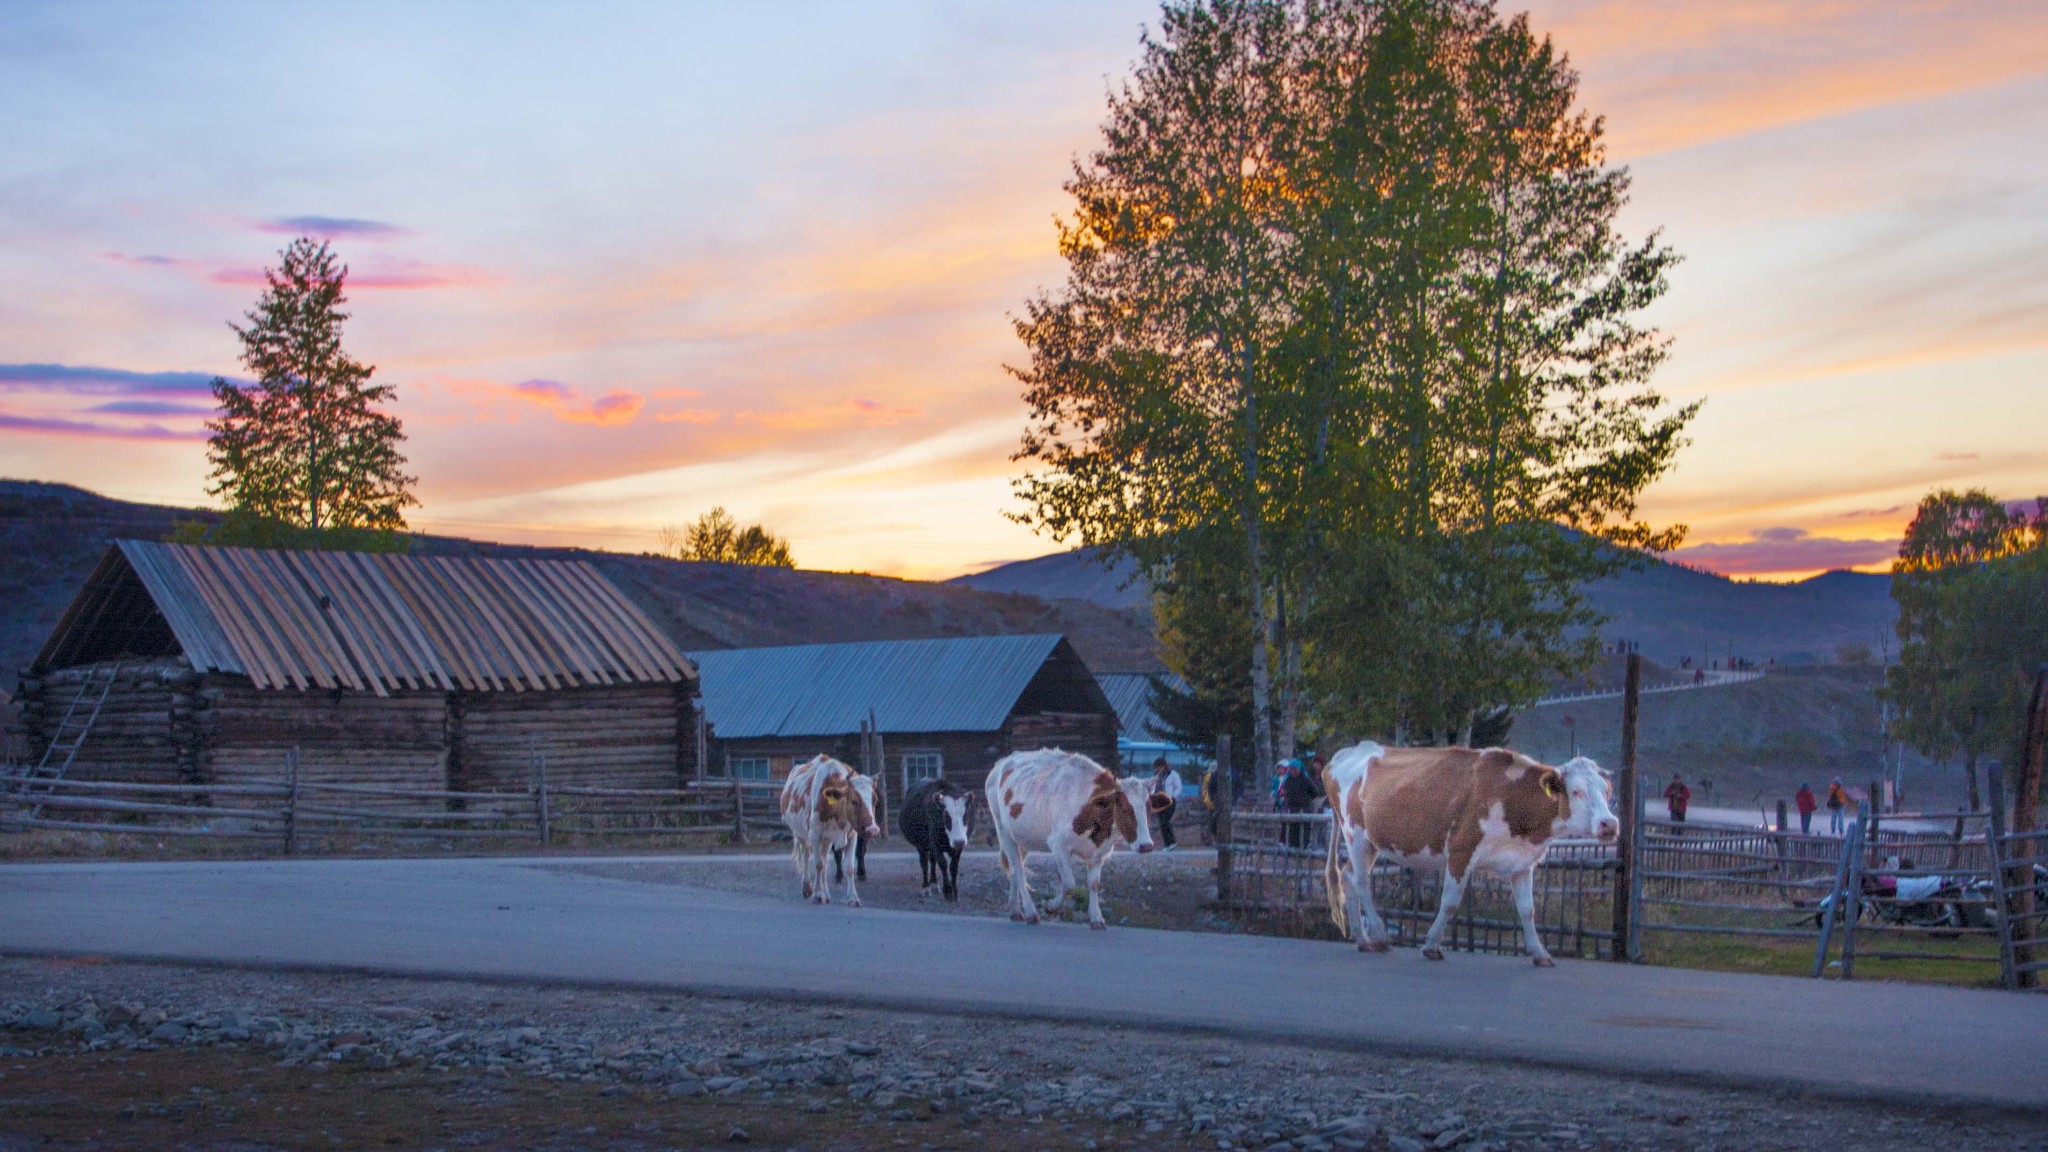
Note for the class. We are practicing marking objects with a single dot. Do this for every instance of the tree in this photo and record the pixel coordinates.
(1344, 285)
(305, 450)
(717, 538)
(1971, 582)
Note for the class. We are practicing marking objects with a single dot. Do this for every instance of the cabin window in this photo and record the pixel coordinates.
(753, 768)
(920, 766)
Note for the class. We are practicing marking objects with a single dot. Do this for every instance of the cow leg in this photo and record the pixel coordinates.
(1095, 919)
(1454, 891)
(1525, 911)
(1063, 860)
(852, 874)
(949, 867)
(1366, 926)
(860, 857)
(821, 890)
(802, 860)
(838, 864)
(1022, 907)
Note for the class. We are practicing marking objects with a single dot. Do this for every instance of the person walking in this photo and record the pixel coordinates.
(1167, 783)
(1212, 810)
(1677, 797)
(1838, 799)
(1806, 802)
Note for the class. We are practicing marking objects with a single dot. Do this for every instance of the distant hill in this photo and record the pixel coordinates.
(51, 535)
(1669, 612)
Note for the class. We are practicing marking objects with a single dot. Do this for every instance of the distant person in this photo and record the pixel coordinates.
(1298, 798)
(1212, 801)
(1677, 797)
(1806, 802)
(1838, 799)
(1699, 675)
(1166, 782)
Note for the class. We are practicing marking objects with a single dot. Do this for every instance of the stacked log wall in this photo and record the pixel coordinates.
(1092, 734)
(395, 741)
(147, 730)
(623, 736)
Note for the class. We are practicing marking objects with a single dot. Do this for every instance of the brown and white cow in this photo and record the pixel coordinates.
(1458, 811)
(1067, 805)
(826, 809)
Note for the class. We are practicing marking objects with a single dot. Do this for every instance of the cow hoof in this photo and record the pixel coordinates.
(1372, 946)
(853, 903)
(1543, 961)
(1432, 954)
(1017, 917)
(1098, 925)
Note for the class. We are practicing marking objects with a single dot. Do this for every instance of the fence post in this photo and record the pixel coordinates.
(2026, 820)
(2002, 918)
(291, 801)
(739, 811)
(1224, 794)
(540, 795)
(1866, 818)
(1628, 880)
(1784, 822)
(1851, 849)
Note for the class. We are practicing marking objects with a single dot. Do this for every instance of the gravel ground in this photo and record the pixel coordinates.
(111, 1055)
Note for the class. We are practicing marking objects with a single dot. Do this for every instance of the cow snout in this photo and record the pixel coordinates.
(1608, 829)
(872, 830)
(956, 841)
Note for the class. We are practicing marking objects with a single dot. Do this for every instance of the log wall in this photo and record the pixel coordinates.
(1092, 734)
(148, 730)
(396, 741)
(624, 736)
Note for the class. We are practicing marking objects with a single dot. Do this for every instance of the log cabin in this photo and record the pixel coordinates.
(197, 665)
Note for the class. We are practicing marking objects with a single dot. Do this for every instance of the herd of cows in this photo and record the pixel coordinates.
(1458, 811)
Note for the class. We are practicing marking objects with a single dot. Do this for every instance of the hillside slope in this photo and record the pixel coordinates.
(1796, 724)
(51, 536)
(1669, 612)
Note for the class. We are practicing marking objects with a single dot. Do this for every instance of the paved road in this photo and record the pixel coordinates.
(533, 920)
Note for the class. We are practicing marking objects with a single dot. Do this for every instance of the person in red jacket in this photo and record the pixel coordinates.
(1806, 802)
(1676, 797)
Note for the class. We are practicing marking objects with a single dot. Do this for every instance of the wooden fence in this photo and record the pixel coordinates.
(1276, 863)
(289, 812)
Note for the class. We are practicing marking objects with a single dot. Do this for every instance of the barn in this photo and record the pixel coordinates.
(189, 665)
(950, 707)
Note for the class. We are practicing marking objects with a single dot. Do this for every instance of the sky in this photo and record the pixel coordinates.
(625, 262)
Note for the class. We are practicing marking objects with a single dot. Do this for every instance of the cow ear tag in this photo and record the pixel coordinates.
(1552, 786)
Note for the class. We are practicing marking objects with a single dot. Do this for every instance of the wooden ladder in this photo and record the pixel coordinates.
(72, 730)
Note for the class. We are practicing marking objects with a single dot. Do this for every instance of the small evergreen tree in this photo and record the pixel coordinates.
(304, 451)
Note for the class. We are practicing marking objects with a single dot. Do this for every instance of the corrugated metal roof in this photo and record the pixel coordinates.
(379, 621)
(1130, 693)
(957, 685)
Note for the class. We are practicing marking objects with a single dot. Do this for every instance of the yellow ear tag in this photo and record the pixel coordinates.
(1551, 785)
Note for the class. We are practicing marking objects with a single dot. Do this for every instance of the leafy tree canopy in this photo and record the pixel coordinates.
(717, 538)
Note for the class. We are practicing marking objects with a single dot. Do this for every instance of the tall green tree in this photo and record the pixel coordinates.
(1971, 583)
(715, 537)
(306, 446)
(1344, 280)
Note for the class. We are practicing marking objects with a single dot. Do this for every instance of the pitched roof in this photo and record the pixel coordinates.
(971, 684)
(1131, 694)
(365, 621)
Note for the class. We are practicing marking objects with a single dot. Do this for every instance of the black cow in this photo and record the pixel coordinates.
(935, 823)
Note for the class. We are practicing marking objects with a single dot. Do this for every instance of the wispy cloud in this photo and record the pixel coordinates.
(613, 409)
(58, 426)
(330, 227)
(386, 275)
(89, 380)
(1776, 551)
(152, 408)
(858, 410)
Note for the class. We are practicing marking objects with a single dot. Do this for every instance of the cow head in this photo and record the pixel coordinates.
(1140, 797)
(840, 800)
(953, 805)
(1584, 790)
(864, 787)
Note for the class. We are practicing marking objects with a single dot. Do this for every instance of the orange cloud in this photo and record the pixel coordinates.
(856, 411)
(611, 410)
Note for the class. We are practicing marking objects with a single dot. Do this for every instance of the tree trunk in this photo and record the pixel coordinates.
(1262, 680)
(1970, 770)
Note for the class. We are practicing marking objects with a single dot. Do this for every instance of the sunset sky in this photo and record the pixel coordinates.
(626, 262)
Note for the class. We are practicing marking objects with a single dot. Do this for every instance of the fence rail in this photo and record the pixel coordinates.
(290, 809)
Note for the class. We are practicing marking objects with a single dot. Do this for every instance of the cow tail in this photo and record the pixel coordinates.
(1333, 880)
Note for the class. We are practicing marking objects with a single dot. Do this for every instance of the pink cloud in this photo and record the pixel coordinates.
(687, 416)
(612, 410)
(388, 275)
(1771, 551)
(53, 426)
